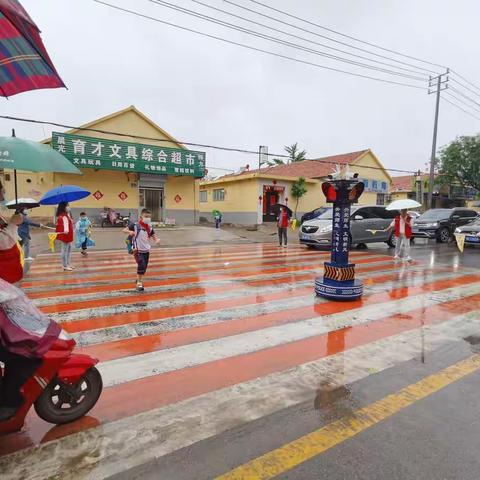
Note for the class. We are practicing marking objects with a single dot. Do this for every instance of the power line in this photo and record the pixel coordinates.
(465, 96)
(305, 39)
(279, 40)
(202, 145)
(349, 36)
(465, 87)
(465, 80)
(463, 102)
(460, 108)
(256, 49)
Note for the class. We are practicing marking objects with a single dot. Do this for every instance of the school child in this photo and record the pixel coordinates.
(141, 235)
(83, 230)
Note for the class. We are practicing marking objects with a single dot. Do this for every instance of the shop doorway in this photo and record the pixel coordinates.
(270, 198)
(152, 198)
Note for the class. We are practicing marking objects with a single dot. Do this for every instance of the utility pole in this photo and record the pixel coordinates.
(440, 83)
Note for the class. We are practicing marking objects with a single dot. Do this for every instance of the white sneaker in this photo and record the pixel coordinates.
(408, 259)
(67, 269)
(284, 246)
(396, 258)
(29, 259)
(71, 267)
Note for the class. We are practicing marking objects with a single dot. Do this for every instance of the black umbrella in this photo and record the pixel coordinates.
(22, 203)
(275, 209)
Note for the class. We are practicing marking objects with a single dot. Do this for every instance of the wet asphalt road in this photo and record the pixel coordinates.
(436, 438)
(228, 356)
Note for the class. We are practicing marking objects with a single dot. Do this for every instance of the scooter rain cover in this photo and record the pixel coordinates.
(24, 330)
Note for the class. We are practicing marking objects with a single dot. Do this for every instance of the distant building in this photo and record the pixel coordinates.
(444, 196)
(138, 165)
(247, 197)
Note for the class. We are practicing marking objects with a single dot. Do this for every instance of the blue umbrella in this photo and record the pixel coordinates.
(66, 193)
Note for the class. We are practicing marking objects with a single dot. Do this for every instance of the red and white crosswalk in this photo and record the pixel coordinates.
(222, 335)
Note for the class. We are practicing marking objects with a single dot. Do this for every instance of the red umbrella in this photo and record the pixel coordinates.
(24, 61)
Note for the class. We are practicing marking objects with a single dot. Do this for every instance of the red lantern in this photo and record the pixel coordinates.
(274, 182)
(260, 198)
(286, 199)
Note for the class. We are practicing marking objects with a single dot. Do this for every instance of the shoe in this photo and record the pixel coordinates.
(67, 269)
(396, 258)
(140, 287)
(71, 267)
(29, 259)
(84, 253)
(6, 413)
(284, 246)
(408, 259)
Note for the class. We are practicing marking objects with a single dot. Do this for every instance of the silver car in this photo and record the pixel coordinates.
(471, 232)
(364, 220)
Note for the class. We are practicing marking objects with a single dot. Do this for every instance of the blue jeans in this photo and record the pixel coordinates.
(65, 253)
(26, 247)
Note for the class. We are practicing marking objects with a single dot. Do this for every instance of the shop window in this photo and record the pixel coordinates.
(203, 196)
(384, 186)
(219, 195)
(374, 185)
(381, 198)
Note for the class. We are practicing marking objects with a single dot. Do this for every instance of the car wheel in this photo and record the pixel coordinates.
(392, 240)
(443, 235)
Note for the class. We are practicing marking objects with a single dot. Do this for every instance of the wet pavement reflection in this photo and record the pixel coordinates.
(228, 335)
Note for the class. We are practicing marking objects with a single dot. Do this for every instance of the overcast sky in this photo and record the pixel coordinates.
(204, 91)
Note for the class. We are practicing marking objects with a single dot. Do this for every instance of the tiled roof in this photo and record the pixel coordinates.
(317, 168)
(405, 183)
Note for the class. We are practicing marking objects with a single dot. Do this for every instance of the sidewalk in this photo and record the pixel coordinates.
(114, 238)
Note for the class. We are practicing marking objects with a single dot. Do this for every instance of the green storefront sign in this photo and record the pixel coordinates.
(103, 154)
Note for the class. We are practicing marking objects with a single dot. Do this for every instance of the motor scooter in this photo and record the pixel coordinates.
(64, 388)
(112, 218)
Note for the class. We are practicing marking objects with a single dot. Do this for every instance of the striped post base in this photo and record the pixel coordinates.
(338, 283)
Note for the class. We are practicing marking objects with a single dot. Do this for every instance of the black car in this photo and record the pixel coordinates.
(313, 214)
(440, 223)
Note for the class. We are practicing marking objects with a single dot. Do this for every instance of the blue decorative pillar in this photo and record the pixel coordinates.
(338, 281)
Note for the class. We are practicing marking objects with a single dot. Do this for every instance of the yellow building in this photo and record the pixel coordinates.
(246, 198)
(139, 165)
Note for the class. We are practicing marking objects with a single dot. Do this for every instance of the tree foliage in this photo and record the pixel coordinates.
(459, 162)
(294, 155)
(298, 190)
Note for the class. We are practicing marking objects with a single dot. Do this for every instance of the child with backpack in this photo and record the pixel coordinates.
(141, 235)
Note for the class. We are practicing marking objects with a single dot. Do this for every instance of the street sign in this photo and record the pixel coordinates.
(104, 154)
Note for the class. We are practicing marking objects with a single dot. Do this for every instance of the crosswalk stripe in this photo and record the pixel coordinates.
(217, 321)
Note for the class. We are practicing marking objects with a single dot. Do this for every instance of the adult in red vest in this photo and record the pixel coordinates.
(64, 231)
(402, 227)
(282, 224)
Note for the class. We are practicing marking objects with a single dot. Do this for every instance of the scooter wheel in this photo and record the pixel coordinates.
(63, 403)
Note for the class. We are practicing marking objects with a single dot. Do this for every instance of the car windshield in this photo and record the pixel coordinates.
(436, 214)
(326, 215)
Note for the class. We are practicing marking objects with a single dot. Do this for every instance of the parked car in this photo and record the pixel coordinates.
(440, 223)
(313, 214)
(318, 232)
(471, 231)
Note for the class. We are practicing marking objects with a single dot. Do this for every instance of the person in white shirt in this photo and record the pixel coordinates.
(402, 226)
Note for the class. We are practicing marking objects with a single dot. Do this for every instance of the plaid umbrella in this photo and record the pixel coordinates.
(24, 61)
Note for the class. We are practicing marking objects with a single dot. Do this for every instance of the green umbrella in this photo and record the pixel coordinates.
(21, 154)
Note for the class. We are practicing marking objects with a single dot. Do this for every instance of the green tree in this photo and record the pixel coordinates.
(298, 190)
(459, 162)
(294, 155)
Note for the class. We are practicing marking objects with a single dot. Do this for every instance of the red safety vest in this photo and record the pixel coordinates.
(408, 228)
(62, 235)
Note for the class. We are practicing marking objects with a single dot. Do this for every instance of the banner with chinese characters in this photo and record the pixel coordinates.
(104, 154)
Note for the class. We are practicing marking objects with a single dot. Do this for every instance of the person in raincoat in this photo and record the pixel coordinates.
(26, 335)
(83, 233)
